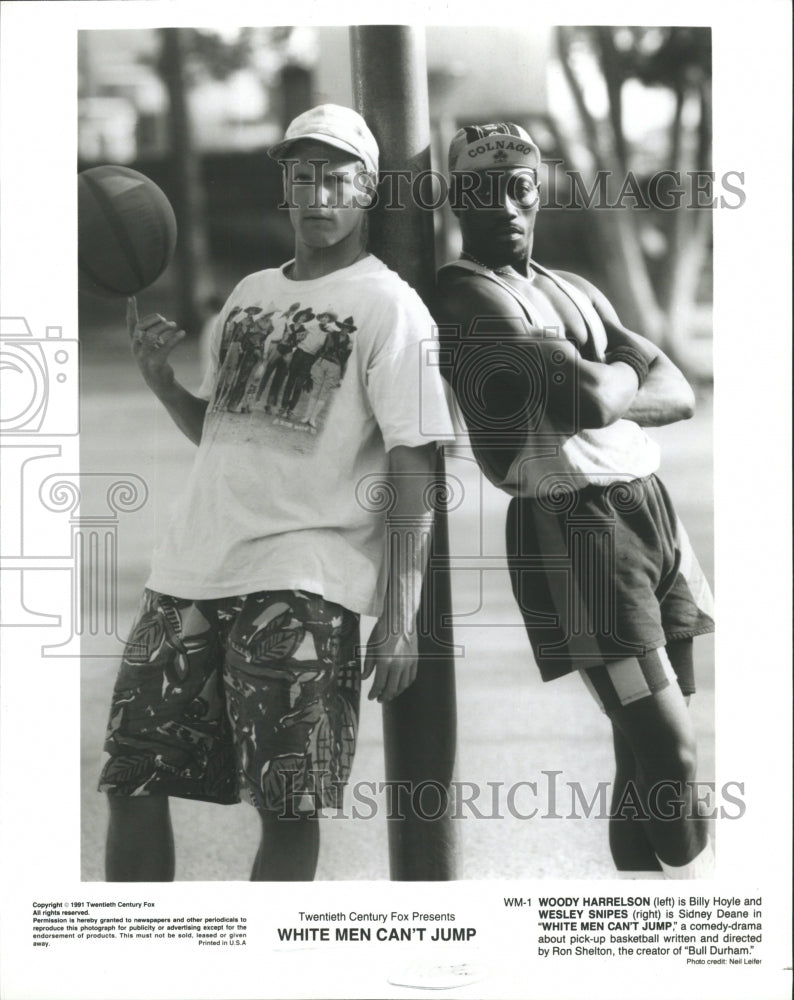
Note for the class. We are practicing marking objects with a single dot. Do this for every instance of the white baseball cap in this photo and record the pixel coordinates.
(342, 128)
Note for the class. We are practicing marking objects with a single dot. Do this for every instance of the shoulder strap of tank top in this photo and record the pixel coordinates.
(579, 299)
(583, 305)
(484, 272)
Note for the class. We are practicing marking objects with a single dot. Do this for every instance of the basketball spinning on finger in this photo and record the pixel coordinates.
(126, 231)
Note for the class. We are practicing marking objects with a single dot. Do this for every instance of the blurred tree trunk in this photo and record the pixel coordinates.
(662, 310)
(192, 256)
(296, 92)
(616, 233)
(689, 243)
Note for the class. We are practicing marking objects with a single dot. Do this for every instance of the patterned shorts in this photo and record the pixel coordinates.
(254, 697)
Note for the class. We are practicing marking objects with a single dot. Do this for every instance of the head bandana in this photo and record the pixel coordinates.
(501, 145)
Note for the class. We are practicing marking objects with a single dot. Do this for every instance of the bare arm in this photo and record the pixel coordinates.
(665, 397)
(392, 649)
(479, 319)
(152, 339)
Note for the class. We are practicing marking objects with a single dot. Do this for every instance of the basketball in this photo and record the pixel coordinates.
(126, 231)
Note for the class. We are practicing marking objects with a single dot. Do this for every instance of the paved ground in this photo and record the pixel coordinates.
(512, 728)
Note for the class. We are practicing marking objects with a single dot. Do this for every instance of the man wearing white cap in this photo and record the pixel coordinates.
(554, 392)
(241, 676)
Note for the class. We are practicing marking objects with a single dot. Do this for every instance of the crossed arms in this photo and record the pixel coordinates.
(605, 392)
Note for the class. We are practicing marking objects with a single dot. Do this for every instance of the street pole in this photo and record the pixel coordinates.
(419, 727)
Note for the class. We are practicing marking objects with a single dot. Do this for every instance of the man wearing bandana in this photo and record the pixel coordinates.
(555, 391)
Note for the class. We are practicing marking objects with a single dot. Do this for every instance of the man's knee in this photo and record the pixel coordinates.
(668, 752)
(684, 757)
(285, 822)
(137, 808)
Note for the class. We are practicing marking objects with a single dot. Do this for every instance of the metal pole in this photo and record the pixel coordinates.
(419, 727)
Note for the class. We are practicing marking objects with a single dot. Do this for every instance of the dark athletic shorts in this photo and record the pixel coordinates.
(603, 574)
(253, 697)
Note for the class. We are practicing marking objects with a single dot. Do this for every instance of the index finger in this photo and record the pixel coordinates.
(132, 314)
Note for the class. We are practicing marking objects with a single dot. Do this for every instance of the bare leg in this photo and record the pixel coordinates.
(140, 841)
(288, 850)
(658, 731)
(628, 835)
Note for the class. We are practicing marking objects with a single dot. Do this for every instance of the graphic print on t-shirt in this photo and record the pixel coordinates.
(281, 369)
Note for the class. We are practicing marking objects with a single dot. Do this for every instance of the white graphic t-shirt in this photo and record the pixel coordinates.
(310, 384)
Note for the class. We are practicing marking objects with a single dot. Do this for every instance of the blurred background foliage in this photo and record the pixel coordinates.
(197, 109)
(664, 262)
